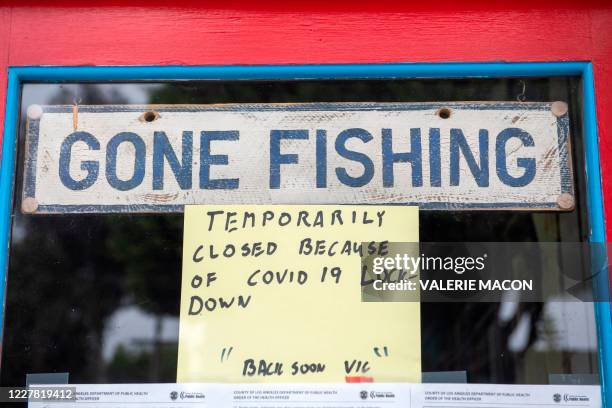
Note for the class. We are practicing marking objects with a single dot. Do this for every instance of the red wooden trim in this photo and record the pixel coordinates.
(231, 32)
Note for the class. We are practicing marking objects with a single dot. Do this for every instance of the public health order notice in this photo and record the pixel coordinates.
(364, 395)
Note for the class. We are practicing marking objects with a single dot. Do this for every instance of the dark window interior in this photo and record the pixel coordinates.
(97, 296)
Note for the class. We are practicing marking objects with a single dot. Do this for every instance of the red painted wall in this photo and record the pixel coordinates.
(227, 32)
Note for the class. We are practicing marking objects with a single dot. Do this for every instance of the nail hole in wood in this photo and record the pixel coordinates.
(150, 116)
(444, 113)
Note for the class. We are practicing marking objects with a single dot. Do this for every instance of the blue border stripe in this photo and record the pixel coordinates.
(169, 208)
(329, 71)
(337, 71)
(7, 167)
(565, 154)
(598, 234)
(29, 187)
(316, 106)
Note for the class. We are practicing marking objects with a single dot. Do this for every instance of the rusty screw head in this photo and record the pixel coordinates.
(559, 108)
(566, 201)
(29, 205)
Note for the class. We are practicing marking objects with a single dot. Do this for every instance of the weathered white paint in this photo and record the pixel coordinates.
(249, 157)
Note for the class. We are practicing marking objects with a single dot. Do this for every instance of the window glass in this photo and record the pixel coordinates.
(97, 296)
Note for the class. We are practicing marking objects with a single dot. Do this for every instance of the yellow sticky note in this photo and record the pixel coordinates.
(273, 294)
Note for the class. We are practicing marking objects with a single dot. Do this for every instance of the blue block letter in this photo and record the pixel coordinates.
(163, 150)
(459, 143)
(435, 167)
(529, 164)
(366, 162)
(276, 157)
(139, 161)
(207, 160)
(321, 149)
(413, 157)
(91, 167)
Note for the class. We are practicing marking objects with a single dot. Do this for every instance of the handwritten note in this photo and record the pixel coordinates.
(272, 294)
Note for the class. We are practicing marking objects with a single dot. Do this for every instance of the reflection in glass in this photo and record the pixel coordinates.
(98, 296)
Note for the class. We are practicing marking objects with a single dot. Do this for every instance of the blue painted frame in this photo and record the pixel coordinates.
(18, 75)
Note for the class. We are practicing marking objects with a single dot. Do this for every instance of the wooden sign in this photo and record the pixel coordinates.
(440, 156)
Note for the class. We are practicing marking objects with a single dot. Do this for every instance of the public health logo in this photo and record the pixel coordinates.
(173, 395)
(363, 395)
(557, 397)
